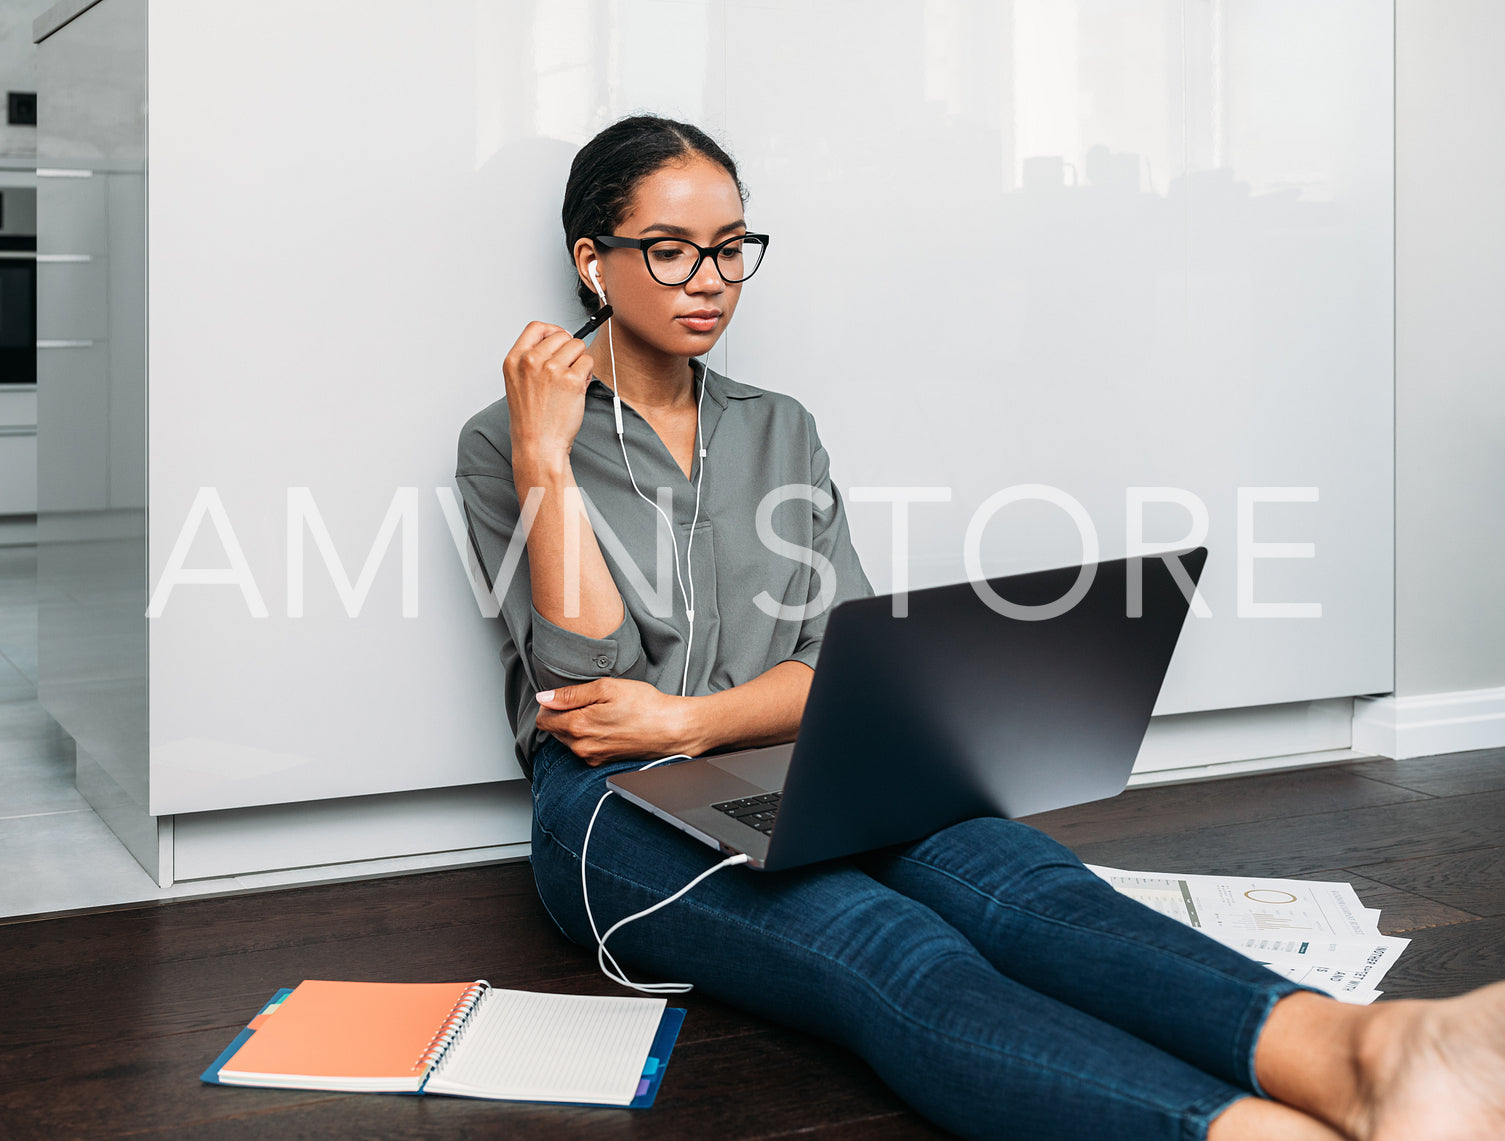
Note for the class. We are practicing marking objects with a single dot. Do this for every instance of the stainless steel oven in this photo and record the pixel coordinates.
(18, 285)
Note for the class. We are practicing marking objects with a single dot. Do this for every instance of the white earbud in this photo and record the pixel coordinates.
(596, 279)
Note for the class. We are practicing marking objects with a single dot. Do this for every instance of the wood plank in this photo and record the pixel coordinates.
(1451, 774)
(1310, 843)
(114, 1086)
(902, 1126)
(1470, 881)
(1401, 912)
(183, 977)
(1206, 804)
(171, 978)
(1443, 961)
(221, 994)
(183, 929)
(744, 1086)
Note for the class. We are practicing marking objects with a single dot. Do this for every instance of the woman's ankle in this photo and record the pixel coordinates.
(1311, 1055)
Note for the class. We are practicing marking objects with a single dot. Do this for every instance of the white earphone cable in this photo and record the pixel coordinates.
(604, 957)
(614, 971)
(688, 600)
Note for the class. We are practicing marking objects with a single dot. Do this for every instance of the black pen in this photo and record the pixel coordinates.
(590, 326)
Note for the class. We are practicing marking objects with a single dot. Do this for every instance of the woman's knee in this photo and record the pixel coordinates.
(555, 870)
(995, 843)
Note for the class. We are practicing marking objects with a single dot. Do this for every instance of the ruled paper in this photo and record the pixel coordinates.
(526, 1046)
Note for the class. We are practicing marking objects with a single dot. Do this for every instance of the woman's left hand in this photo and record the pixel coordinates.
(614, 718)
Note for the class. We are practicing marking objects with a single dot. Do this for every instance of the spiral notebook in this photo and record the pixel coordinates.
(464, 1039)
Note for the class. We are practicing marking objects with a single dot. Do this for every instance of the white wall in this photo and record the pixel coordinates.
(18, 69)
(1449, 691)
(1450, 348)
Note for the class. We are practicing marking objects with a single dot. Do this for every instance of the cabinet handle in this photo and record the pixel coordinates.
(65, 344)
(31, 255)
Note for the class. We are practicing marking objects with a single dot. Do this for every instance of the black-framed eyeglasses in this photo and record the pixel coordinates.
(673, 261)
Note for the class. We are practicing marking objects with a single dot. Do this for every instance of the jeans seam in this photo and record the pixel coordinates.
(1122, 939)
(880, 996)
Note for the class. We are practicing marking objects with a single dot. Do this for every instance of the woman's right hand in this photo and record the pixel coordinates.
(547, 372)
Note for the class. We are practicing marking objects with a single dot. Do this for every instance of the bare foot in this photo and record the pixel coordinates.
(1433, 1070)
(1254, 1119)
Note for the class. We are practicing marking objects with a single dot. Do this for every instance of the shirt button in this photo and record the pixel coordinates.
(602, 661)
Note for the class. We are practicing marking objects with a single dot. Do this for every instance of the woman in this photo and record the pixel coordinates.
(997, 985)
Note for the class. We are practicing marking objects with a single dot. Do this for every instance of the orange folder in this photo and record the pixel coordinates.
(349, 1030)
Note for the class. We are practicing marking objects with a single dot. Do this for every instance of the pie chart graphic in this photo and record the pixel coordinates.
(1269, 895)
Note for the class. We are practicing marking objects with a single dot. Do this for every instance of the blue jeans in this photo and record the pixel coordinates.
(994, 983)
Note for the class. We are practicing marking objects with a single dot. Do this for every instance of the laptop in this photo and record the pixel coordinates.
(950, 712)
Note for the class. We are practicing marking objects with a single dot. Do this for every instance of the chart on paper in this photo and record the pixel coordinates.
(1318, 934)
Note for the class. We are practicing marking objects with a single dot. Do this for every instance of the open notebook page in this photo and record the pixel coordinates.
(524, 1046)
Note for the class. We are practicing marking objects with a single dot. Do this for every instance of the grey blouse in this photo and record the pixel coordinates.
(762, 588)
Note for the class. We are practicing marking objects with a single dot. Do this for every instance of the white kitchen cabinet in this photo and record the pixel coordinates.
(1000, 257)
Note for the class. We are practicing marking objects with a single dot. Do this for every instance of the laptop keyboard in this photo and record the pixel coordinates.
(754, 811)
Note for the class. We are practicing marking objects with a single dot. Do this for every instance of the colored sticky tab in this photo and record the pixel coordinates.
(266, 1012)
(650, 1067)
(642, 1088)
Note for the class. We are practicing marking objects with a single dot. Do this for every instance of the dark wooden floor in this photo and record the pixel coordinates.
(106, 1020)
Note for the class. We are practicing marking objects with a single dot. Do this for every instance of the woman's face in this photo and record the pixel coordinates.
(694, 199)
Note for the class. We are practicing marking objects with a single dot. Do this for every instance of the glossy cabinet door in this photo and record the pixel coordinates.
(1137, 252)
(92, 631)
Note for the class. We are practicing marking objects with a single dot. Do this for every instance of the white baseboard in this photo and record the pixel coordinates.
(1245, 768)
(442, 824)
(1223, 742)
(1431, 723)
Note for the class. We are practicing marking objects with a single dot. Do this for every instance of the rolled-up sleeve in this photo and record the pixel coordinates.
(562, 656)
(831, 538)
(550, 655)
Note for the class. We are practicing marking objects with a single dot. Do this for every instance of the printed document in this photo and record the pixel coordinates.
(1318, 934)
